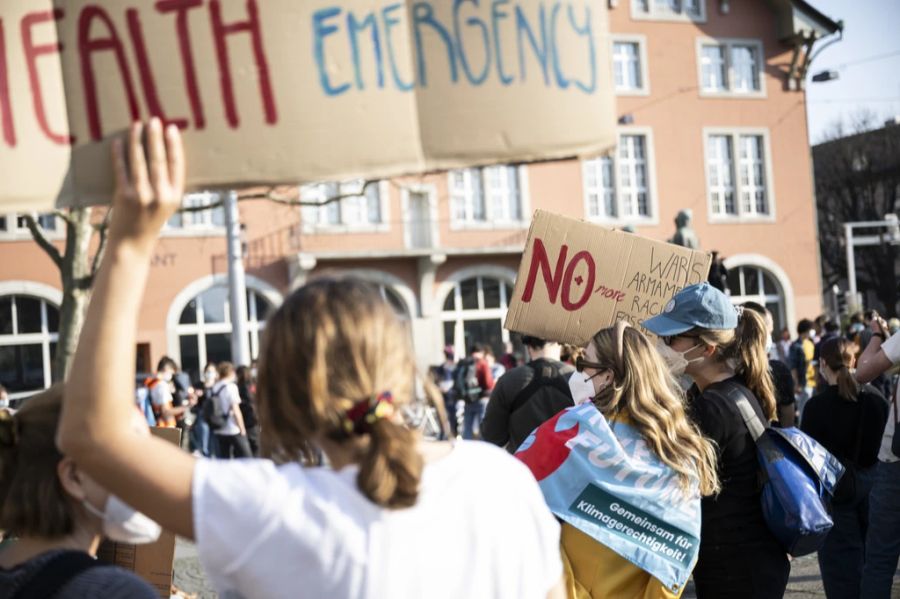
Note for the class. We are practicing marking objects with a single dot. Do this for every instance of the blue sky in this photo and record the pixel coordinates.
(868, 60)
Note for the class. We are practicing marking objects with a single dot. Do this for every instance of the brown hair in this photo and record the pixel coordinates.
(33, 502)
(746, 345)
(840, 356)
(644, 390)
(225, 369)
(331, 344)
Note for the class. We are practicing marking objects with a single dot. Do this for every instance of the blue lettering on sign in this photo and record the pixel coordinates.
(423, 14)
(389, 23)
(320, 32)
(533, 32)
(540, 50)
(463, 57)
(498, 15)
(355, 26)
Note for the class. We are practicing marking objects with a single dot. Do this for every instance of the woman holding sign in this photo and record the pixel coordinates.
(702, 335)
(392, 516)
(624, 470)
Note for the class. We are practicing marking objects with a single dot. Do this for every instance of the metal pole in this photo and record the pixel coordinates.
(237, 284)
(851, 263)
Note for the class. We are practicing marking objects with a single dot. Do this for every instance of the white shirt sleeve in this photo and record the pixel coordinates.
(544, 527)
(236, 507)
(891, 348)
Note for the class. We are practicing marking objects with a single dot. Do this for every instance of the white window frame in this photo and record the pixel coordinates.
(45, 337)
(458, 316)
(325, 228)
(641, 41)
(200, 328)
(774, 269)
(490, 222)
(741, 217)
(200, 223)
(431, 192)
(655, 14)
(17, 233)
(653, 200)
(728, 44)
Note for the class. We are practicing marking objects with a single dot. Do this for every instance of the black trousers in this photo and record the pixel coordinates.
(233, 446)
(758, 570)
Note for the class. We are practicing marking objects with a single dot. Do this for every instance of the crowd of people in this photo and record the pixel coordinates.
(391, 514)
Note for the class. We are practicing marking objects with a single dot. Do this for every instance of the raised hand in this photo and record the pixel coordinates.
(148, 191)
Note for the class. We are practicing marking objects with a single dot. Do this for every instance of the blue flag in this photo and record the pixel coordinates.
(604, 480)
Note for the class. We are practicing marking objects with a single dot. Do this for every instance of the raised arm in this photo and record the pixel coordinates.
(876, 359)
(151, 475)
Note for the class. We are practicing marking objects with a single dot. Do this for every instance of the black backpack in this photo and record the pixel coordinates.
(465, 381)
(546, 374)
(210, 412)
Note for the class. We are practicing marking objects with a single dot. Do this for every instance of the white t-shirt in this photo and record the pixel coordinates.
(228, 400)
(891, 349)
(480, 528)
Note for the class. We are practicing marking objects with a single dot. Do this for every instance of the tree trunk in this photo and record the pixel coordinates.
(76, 276)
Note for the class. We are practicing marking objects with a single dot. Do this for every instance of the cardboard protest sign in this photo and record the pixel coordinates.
(154, 562)
(288, 91)
(576, 278)
(612, 487)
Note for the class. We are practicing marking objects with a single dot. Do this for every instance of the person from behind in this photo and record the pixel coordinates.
(246, 390)
(527, 396)
(390, 516)
(443, 378)
(801, 360)
(54, 515)
(781, 374)
(848, 420)
(628, 383)
(231, 436)
(202, 440)
(473, 381)
(883, 538)
(702, 335)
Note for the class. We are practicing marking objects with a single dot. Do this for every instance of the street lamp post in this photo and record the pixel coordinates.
(237, 284)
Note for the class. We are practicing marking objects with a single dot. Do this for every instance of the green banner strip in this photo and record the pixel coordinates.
(634, 525)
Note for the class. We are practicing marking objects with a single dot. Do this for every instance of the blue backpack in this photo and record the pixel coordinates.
(799, 476)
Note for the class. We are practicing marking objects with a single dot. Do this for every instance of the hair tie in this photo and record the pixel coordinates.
(739, 310)
(358, 420)
(9, 429)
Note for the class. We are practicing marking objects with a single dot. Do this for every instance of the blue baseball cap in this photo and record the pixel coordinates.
(698, 306)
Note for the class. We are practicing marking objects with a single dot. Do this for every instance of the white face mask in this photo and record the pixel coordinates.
(123, 524)
(167, 376)
(4, 402)
(209, 376)
(770, 345)
(581, 387)
(675, 360)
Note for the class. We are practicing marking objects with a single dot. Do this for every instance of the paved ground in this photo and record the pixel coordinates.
(805, 582)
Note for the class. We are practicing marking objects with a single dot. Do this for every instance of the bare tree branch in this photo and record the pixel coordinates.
(41, 239)
(61, 214)
(288, 195)
(102, 228)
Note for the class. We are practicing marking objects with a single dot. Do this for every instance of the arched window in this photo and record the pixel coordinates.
(29, 329)
(204, 327)
(753, 283)
(474, 311)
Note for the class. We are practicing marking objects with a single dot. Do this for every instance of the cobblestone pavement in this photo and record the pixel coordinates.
(805, 581)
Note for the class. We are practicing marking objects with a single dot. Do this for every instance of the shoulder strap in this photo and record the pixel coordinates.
(736, 394)
(537, 381)
(54, 575)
